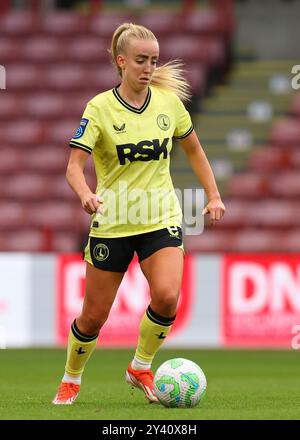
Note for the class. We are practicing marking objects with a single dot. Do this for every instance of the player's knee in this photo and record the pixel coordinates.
(91, 324)
(165, 301)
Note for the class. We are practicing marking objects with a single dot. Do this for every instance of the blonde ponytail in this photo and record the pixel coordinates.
(169, 76)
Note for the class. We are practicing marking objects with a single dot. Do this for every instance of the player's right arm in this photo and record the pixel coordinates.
(76, 179)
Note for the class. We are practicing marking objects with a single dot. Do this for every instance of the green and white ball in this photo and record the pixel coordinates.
(180, 383)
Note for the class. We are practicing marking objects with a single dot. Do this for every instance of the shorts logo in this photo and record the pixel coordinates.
(163, 121)
(173, 231)
(100, 252)
(81, 129)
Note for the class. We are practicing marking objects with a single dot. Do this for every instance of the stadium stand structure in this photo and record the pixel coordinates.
(55, 63)
(249, 129)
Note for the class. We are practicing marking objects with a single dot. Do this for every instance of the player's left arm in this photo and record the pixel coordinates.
(201, 167)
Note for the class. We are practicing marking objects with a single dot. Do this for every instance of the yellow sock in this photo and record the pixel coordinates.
(80, 348)
(152, 332)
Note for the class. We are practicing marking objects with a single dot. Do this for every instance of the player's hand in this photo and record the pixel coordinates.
(92, 203)
(216, 209)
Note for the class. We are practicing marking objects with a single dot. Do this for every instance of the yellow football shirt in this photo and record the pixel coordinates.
(131, 150)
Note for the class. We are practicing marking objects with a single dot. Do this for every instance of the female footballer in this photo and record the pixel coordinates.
(129, 130)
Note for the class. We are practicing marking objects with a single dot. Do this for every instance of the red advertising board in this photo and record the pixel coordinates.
(121, 328)
(260, 299)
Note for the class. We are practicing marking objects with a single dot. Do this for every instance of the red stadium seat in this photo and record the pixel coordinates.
(286, 184)
(63, 23)
(27, 187)
(188, 48)
(87, 48)
(14, 215)
(255, 240)
(66, 76)
(65, 242)
(236, 215)
(11, 161)
(286, 132)
(10, 50)
(45, 105)
(196, 76)
(47, 159)
(58, 216)
(161, 22)
(105, 23)
(18, 22)
(21, 132)
(209, 241)
(24, 241)
(295, 158)
(296, 105)
(43, 49)
(273, 213)
(24, 77)
(290, 240)
(61, 132)
(248, 184)
(208, 22)
(269, 159)
(11, 106)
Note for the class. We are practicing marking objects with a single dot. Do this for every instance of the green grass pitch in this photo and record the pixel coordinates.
(241, 385)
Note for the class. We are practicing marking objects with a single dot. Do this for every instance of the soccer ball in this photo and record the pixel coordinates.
(180, 383)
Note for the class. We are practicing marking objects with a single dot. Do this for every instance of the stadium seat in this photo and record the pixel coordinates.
(161, 22)
(236, 215)
(47, 159)
(295, 158)
(43, 49)
(14, 215)
(63, 23)
(58, 216)
(290, 240)
(20, 23)
(11, 161)
(66, 76)
(286, 184)
(254, 240)
(25, 240)
(27, 187)
(209, 241)
(286, 132)
(105, 23)
(11, 106)
(208, 22)
(61, 132)
(21, 132)
(273, 213)
(45, 105)
(196, 75)
(269, 159)
(188, 48)
(24, 77)
(248, 184)
(295, 108)
(65, 242)
(10, 50)
(87, 49)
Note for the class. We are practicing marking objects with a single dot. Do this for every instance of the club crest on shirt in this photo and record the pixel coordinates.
(163, 121)
(81, 129)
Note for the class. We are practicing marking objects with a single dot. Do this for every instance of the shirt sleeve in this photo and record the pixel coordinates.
(184, 125)
(89, 130)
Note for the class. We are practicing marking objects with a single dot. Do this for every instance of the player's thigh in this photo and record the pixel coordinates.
(100, 291)
(163, 271)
